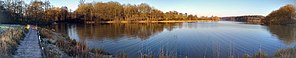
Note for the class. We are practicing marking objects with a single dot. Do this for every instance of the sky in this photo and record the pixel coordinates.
(198, 7)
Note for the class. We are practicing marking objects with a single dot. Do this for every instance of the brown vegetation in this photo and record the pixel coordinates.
(114, 11)
(58, 45)
(40, 12)
(9, 41)
(286, 53)
(284, 15)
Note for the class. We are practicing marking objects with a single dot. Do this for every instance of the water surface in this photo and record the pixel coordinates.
(202, 39)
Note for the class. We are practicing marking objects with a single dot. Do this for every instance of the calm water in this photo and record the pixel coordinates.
(206, 39)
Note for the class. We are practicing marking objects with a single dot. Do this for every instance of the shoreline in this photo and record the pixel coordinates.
(102, 22)
(171, 21)
(57, 45)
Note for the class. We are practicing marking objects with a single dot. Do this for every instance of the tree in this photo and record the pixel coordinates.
(130, 12)
(190, 17)
(215, 18)
(2, 5)
(64, 13)
(284, 15)
(114, 11)
(35, 10)
(156, 15)
(13, 7)
(144, 10)
(50, 14)
(85, 10)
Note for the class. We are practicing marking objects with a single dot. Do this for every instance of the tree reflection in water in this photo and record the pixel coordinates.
(287, 33)
(115, 31)
(143, 31)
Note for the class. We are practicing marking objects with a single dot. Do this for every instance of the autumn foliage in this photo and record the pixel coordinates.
(114, 11)
(284, 15)
(42, 12)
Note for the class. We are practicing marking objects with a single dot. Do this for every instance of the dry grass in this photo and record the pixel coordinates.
(68, 46)
(9, 40)
(260, 54)
(286, 53)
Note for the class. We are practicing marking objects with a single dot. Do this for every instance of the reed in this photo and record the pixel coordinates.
(286, 53)
(10, 39)
(68, 46)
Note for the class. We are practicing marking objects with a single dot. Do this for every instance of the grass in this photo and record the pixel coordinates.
(68, 46)
(260, 54)
(10, 39)
(286, 53)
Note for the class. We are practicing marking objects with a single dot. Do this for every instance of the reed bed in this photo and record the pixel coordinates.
(9, 41)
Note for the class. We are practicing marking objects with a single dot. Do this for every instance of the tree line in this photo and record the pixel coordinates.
(43, 12)
(283, 16)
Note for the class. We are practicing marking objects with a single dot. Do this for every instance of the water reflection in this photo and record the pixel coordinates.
(285, 33)
(114, 31)
(203, 39)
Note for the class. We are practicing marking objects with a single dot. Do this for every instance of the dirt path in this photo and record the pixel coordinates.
(29, 47)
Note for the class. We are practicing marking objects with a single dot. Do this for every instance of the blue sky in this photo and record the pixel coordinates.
(199, 7)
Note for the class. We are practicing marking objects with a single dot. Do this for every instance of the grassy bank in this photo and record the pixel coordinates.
(57, 45)
(286, 53)
(9, 41)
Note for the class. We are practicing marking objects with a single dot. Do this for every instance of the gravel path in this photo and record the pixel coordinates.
(29, 47)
